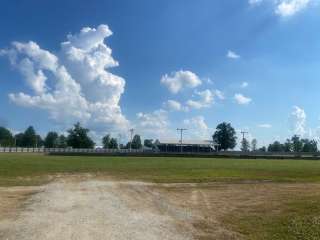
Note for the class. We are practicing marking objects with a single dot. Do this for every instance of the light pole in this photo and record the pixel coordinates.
(181, 132)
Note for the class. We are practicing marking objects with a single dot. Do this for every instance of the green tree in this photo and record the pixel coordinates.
(39, 142)
(225, 136)
(245, 145)
(113, 144)
(106, 141)
(62, 141)
(262, 149)
(309, 145)
(51, 140)
(19, 139)
(136, 142)
(275, 147)
(29, 138)
(148, 143)
(254, 144)
(297, 144)
(287, 146)
(78, 137)
(6, 138)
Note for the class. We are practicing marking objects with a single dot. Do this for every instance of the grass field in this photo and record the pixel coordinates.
(290, 212)
(28, 169)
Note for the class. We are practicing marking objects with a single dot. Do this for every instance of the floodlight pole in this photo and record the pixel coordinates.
(181, 132)
(131, 135)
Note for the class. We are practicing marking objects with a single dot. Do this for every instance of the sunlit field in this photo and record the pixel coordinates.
(252, 199)
(26, 169)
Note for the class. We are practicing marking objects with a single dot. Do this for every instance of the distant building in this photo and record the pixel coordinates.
(186, 146)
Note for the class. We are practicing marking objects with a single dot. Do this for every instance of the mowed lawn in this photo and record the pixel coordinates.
(28, 169)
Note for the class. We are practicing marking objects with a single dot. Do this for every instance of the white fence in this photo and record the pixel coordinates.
(65, 150)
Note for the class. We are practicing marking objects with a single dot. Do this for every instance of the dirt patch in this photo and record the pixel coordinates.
(82, 207)
(97, 210)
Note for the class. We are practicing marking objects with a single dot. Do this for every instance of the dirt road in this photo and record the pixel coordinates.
(92, 210)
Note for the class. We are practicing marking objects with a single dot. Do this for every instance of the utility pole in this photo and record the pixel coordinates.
(181, 132)
(131, 135)
(243, 133)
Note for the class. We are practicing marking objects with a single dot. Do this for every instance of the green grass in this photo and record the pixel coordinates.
(28, 169)
(294, 220)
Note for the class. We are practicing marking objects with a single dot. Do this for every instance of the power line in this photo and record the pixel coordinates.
(181, 132)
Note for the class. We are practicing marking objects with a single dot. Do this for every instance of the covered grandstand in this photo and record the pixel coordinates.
(186, 146)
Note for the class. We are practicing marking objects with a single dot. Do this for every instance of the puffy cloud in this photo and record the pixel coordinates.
(265, 125)
(287, 8)
(232, 55)
(177, 81)
(154, 124)
(298, 121)
(73, 85)
(206, 98)
(173, 105)
(241, 99)
(197, 127)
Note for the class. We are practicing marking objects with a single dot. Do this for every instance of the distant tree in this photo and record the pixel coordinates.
(254, 144)
(39, 141)
(78, 137)
(113, 144)
(262, 149)
(245, 145)
(51, 140)
(29, 137)
(19, 140)
(136, 142)
(148, 143)
(287, 146)
(309, 145)
(297, 144)
(62, 141)
(225, 136)
(275, 147)
(106, 141)
(6, 138)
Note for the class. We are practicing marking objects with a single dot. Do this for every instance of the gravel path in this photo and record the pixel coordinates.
(92, 210)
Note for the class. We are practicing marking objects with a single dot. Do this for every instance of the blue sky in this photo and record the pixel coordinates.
(181, 63)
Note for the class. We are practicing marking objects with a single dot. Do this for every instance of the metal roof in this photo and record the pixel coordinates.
(187, 142)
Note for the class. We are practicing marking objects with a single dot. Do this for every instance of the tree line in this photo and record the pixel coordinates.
(77, 137)
(224, 137)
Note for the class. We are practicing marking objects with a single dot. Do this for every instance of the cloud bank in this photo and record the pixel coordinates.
(74, 84)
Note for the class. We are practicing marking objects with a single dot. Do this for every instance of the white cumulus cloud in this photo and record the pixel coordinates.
(232, 55)
(205, 99)
(154, 124)
(173, 105)
(241, 99)
(197, 127)
(177, 81)
(298, 121)
(74, 84)
(287, 8)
